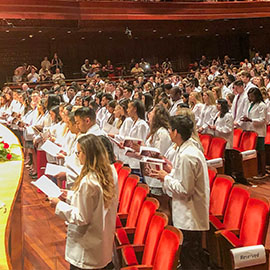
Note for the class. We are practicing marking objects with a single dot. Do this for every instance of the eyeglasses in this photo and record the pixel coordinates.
(77, 153)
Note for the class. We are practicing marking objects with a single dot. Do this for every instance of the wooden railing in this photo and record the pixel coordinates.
(130, 10)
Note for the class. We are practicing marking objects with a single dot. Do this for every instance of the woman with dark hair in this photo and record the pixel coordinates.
(223, 123)
(256, 118)
(147, 100)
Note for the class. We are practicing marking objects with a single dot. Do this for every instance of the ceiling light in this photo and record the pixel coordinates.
(261, 26)
(53, 38)
(40, 31)
(110, 37)
(161, 37)
(82, 37)
(233, 28)
(7, 31)
(217, 34)
(188, 36)
(169, 34)
(31, 36)
(206, 29)
(154, 30)
(69, 32)
(100, 31)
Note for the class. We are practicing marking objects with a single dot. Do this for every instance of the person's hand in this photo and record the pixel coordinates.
(121, 145)
(64, 194)
(200, 129)
(53, 201)
(111, 135)
(213, 127)
(60, 176)
(246, 119)
(167, 166)
(158, 174)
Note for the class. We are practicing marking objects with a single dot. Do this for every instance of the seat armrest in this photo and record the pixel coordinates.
(122, 215)
(130, 230)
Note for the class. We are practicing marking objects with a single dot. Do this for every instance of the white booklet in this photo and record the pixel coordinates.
(52, 169)
(51, 148)
(47, 186)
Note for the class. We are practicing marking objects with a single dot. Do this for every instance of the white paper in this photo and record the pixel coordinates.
(51, 148)
(110, 129)
(248, 256)
(47, 186)
(151, 159)
(52, 169)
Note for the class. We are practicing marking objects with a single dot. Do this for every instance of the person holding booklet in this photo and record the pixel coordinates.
(188, 182)
(90, 208)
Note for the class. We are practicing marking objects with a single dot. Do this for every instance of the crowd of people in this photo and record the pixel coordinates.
(91, 122)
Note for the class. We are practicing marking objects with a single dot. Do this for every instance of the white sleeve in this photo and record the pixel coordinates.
(84, 205)
(226, 127)
(184, 184)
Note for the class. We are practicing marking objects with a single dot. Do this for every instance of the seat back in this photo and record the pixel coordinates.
(170, 240)
(255, 221)
(248, 140)
(127, 193)
(149, 208)
(205, 140)
(157, 225)
(122, 177)
(212, 173)
(237, 133)
(118, 165)
(138, 198)
(216, 148)
(235, 207)
(267, 137)
(220, 193)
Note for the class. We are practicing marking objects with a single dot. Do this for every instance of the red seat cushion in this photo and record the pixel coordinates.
(121, 236)
(216, 222)
(118, 222)
(129, 255)
(232, 238)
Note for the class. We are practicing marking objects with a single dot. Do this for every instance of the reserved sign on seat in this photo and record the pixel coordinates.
(248, 256)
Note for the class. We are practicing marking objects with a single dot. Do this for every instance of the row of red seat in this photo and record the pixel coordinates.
(242, 159)
(143, 236)
(237, 219)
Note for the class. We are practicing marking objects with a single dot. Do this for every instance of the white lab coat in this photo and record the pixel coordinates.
(258, 114)
(224, 129)
(188, 183)
(225, 91)
(197, 109)
(242, 106)
(174, 107)
(206, 118)
(91, 227)
(162, 141)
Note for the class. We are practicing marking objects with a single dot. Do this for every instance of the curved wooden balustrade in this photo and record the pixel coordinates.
(118, 10)
(10, 217)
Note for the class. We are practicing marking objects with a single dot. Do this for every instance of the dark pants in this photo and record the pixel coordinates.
(108, 267)
(192, 256)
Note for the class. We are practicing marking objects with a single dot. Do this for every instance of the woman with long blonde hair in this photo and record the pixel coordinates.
(91, 213)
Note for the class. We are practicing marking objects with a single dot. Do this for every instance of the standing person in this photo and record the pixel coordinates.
(195, 102)
(175, 95)
(56, 63)
(90, 208)
(188, 183)
(223, 123)
(255, 117)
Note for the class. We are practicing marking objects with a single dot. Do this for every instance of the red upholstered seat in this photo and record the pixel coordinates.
(248, 141)
(205, 140)
(148, 209)
(234, 211)
(267, 137)
(156, 227)
(212, 173)
(166, 254)
(252, 231)
(122, 177)
(220, 194)
(138, 198)
(118, 165)
(237, 133)
(127, 193)
(216, 148)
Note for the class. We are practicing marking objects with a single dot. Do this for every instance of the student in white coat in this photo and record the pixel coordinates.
(255, 117)
(208, 113)
(223, 123)
(195, 102)
(188, 183)
(240, 104)
(138, 130)
(90, 208)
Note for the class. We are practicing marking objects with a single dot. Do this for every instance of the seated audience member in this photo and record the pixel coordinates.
(137, 70)
(188, 183)
(45, 64)
(33, 77)
(223, 123)
(85, 68)
(90, 208)
(58, 76)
